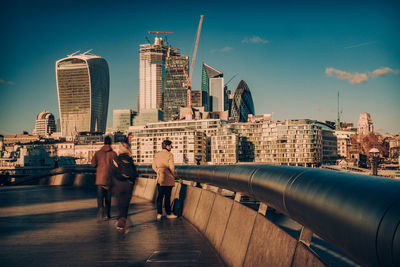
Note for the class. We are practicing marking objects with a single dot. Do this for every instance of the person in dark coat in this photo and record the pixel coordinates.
(102, 161)
(123, 180)
(163, 165)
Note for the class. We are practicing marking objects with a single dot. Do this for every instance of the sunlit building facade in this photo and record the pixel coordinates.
(151, 74)
(365, 125)
(45, 124)
(211, 89)
(262, 140)
(83, 87)
(189, 137)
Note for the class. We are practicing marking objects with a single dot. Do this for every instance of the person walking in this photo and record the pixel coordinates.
(163, 165)
(102, 161)
(123, 180)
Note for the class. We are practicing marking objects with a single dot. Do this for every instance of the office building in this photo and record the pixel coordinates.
(151, 74)
(83, 86)
(242, 103)
(216, 94)
(45, 124)
(123, 119)
(208, 73)
(175, 91)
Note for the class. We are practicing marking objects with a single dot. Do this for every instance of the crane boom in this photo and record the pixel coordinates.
(157, 32)
(195, 48)
(231, 79)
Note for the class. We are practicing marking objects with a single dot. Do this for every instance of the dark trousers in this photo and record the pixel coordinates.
(104, 199)
(164, 193)
(123, 196)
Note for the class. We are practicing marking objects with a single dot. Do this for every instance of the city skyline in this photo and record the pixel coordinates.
(294, 57)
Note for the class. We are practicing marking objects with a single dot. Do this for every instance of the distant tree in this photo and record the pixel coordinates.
(370, 141)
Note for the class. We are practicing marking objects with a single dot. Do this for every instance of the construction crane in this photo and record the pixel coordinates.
(158, 32)
(231, 79)
(189, 82)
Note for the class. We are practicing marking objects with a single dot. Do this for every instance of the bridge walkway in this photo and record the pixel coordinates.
(56, 226)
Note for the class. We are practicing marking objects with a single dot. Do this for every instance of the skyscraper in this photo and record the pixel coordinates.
(45, 124)
(83, 87)
(151, 74)
(242, 104)
(211, 90)
(175, 93)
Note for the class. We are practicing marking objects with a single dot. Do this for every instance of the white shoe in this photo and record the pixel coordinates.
(172, 216)
(159, 217)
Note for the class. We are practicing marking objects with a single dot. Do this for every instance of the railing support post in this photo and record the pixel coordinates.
(262, 209)
(238, 197)
(305, 236)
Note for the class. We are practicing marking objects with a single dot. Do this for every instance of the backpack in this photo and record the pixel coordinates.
(125, 168)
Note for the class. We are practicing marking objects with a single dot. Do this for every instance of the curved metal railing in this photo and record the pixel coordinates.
(53, 172)
(358, 214)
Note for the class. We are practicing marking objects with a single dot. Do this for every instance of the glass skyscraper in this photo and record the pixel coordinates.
(83, 86)
(242, 104)
(175, 93)
(207, 74)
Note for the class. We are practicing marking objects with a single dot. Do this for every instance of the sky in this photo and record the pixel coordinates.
(295, 56)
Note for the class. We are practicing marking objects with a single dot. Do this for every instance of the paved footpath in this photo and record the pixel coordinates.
(56, 226)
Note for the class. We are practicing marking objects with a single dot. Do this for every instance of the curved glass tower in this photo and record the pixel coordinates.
(242, 104)
(83, 86)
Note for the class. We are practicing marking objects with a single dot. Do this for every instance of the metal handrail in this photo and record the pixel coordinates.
(358, 214)
(53, 172)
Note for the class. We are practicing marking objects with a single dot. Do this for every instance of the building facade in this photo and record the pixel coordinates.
(189, 137)
(365, 125)
(123, 119)
(217, 95)
(208, 73)
(175, 91)
(242, 103)
(83, 87)
(261, 140)
(45, 124)
(344, 143)
(151, 74)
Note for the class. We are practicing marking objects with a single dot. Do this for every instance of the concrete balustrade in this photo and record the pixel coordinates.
(242, 236)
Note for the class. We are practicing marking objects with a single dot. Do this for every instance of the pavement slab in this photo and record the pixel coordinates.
(57, 226)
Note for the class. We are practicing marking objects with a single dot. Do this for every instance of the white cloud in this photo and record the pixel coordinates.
(226, 49)
(355, 78)
(384, 71)
(255, 40)
(6, 82)
(359, 45)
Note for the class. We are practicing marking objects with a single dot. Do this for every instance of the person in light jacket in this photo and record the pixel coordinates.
(102, 161)
(163, 165)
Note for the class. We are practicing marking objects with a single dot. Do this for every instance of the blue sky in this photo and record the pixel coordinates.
(294, 55)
